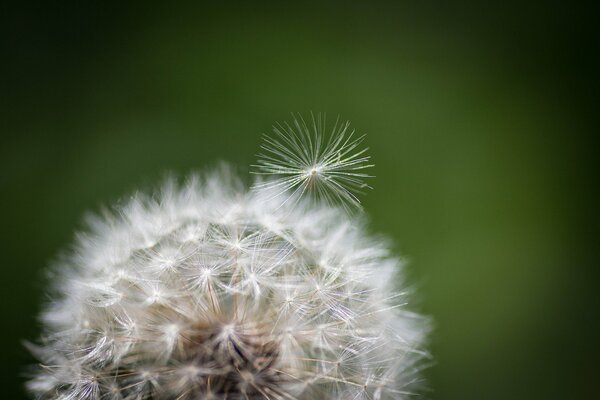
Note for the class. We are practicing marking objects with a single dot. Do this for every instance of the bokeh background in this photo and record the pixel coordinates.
(480, 117)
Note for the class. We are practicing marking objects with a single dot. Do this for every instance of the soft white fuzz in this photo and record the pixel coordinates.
(209, 291)
(307, 161)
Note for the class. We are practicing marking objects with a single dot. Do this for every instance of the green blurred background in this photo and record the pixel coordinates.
(480, 116)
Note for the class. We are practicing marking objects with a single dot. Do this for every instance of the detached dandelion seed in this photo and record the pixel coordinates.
(206, 290)
(307, 160)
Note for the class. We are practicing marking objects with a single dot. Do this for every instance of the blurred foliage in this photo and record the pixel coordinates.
(480, 117)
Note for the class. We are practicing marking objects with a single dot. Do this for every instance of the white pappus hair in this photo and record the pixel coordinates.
(206, 290)
(305, 160)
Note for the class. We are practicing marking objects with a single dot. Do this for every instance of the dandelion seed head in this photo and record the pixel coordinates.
(206, 290)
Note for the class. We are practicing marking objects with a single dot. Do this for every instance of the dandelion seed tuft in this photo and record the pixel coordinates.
(207, 290)
(303, 160)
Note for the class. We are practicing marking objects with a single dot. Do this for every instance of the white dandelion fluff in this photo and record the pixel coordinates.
(305, 159)
(208, 291)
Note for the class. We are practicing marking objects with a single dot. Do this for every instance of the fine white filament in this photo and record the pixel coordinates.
(303, 159)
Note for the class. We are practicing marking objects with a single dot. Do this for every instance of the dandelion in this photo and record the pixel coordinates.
(305, 161)
(205, 290)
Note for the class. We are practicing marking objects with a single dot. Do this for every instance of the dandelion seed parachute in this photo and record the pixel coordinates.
(209, 291)
(305, 160)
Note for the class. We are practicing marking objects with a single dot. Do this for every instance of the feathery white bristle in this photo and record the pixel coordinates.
(306, 160)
